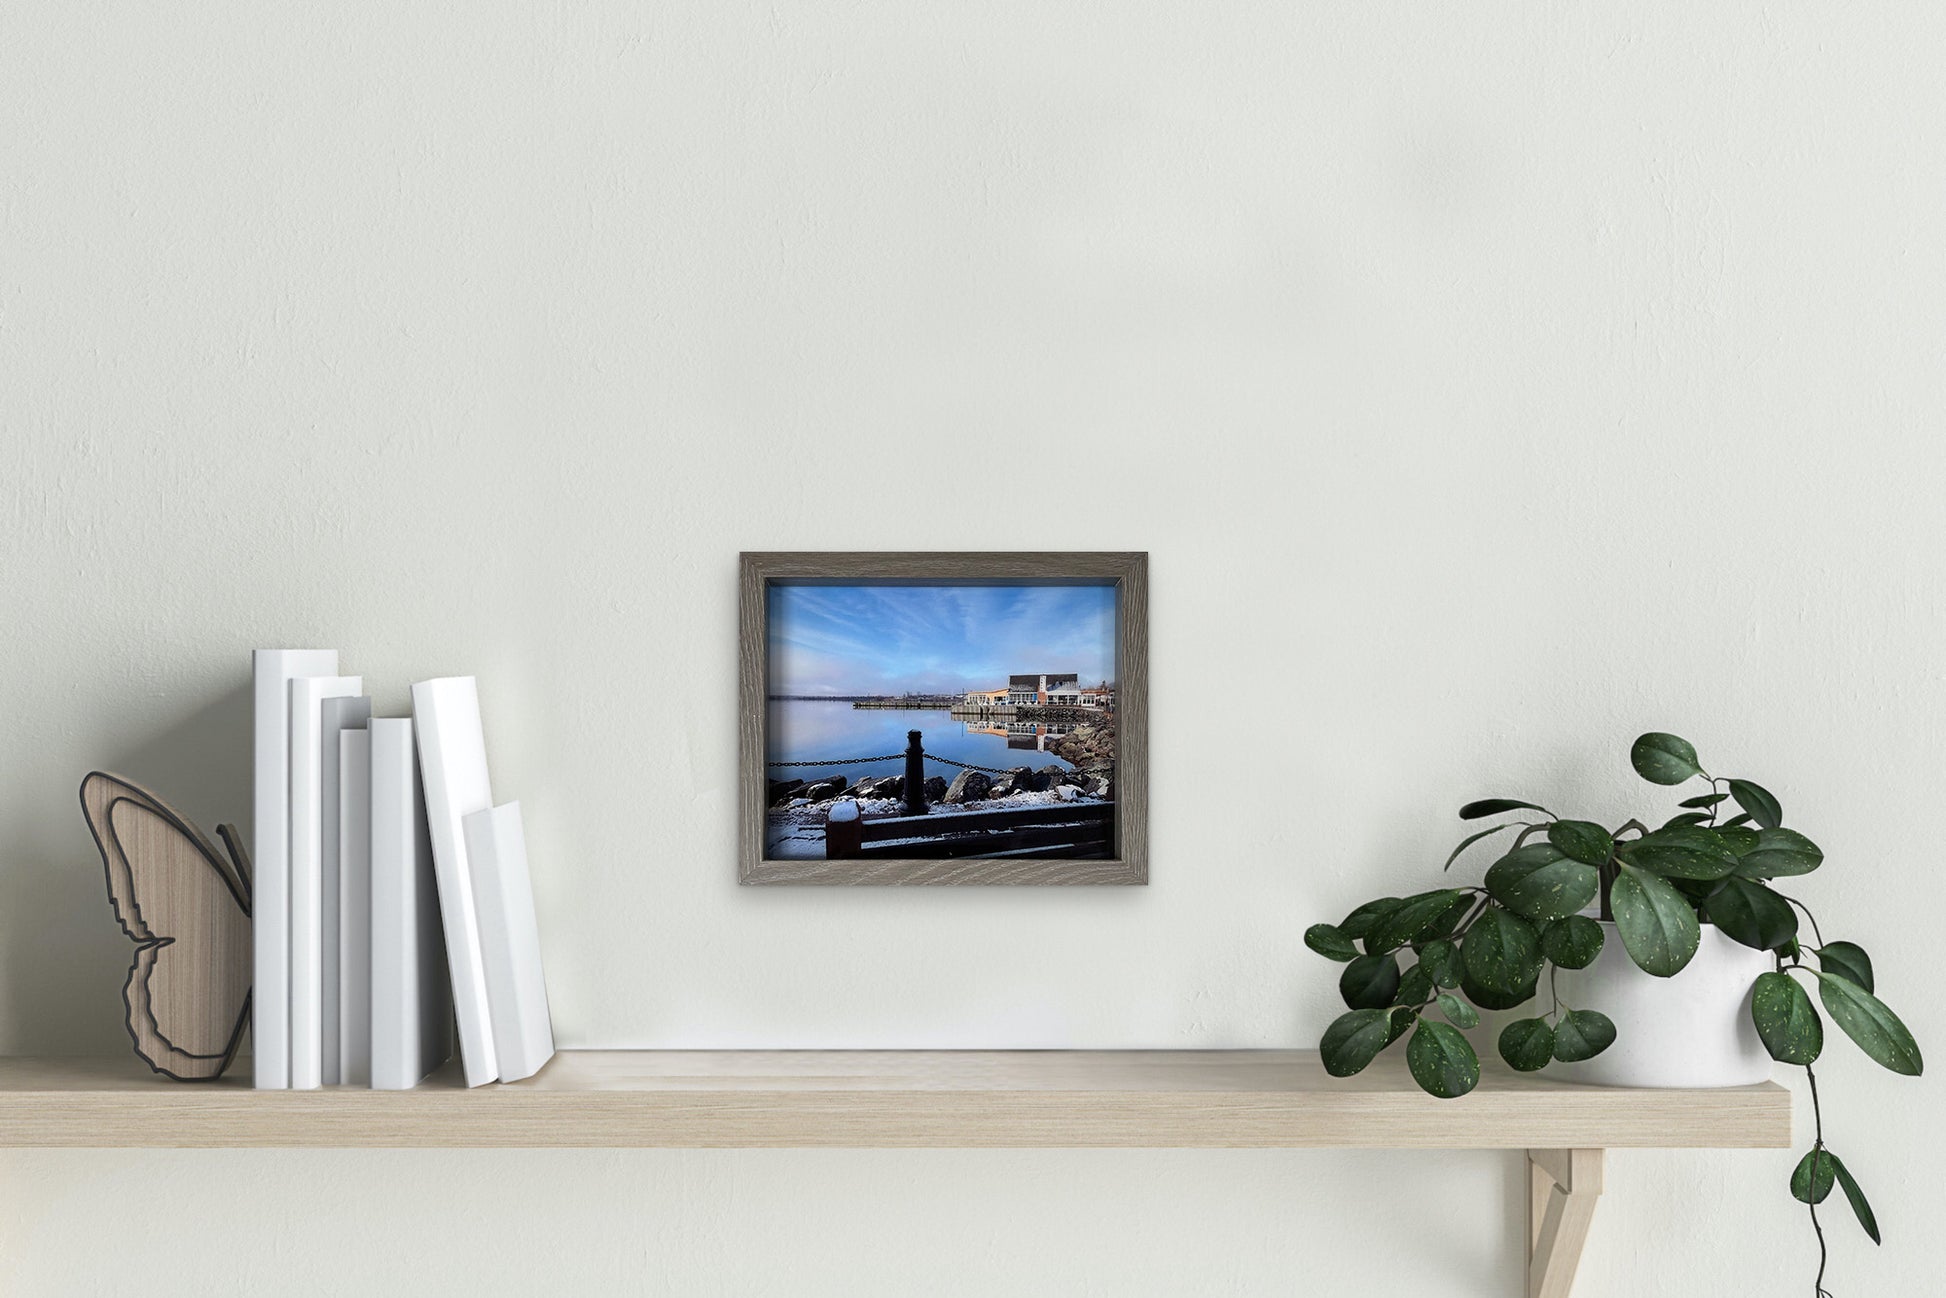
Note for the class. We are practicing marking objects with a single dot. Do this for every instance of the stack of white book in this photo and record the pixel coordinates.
(392, 900)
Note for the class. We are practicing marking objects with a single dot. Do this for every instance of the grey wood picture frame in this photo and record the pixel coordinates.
(1127, 572)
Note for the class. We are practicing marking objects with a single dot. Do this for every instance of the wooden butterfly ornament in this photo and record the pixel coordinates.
(187, 907)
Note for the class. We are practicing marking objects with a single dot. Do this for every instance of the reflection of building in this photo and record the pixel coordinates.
(1027, 691)
(1033, 735)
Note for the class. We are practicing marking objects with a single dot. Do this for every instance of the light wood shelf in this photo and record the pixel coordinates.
(1219, 1099)
(883, 1099)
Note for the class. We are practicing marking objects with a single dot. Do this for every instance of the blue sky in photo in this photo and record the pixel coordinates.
(935, 639)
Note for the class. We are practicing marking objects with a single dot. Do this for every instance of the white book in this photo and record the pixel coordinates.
(337, 717)
(452, 760)
(510, 942)
(308, 694)
(412, 1002)
(272, 670)
(352, 1033)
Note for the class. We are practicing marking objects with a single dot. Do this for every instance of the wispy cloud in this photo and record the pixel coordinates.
(944, 639)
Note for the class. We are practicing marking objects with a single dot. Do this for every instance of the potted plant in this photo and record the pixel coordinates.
(1544, 924)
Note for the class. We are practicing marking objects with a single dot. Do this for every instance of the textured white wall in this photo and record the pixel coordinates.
(1489, 384)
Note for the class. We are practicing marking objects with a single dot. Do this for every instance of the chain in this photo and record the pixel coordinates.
(968, 766)
(842, 761)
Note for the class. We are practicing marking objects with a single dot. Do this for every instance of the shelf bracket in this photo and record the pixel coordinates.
(1563, 1185)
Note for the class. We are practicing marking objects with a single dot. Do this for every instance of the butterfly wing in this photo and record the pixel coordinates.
(188, 910)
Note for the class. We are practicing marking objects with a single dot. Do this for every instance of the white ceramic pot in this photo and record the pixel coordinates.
(1690, 1030)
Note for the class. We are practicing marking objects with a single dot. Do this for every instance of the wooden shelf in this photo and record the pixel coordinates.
(883, 1099)
(1232, 1099)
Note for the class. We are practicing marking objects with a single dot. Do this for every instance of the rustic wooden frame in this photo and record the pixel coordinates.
(1128, 572)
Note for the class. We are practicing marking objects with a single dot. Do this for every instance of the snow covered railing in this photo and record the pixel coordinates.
(1056, 829)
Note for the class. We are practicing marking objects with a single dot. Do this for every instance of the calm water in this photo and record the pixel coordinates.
(806, 729)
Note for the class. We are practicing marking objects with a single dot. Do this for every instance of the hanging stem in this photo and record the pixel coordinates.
(1817, 1146)
(1815, 931)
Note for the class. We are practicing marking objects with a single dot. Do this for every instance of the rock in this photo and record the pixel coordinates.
(783, 790)
(828, 788)
(889, 786)
(1026, 781)
(935, 788)
(1099, 786)
(968, 786)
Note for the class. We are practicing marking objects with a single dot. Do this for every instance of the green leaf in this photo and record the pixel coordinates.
(1489, 999)
(1360, 921)
(1681, 852)
(1328, 942)
(1752, 914)
(1703, 800)
(1741, 818)
(1663, 759)
(1656, 925)
(1471, 839)
(1354, 1040)
(1527, 1045)
(1415, 987)
(1811, 1178)
(1370, 982)
(1494, 806)
(1541, 884)
(1780, 853)
(1740, 839)
(1686, 818)
(1860, 1209)
(1582, 1034)
(1758, 803)
(1572, 942)
(1790, 1027)
(1441, 1060)
(1868, 1022)
(1441, 959)
(1847, 960)
(1502, 952)
(1582, 840)
(1419, 918)
(1462, 1014)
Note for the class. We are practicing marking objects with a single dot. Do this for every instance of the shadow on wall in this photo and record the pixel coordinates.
(63, 958)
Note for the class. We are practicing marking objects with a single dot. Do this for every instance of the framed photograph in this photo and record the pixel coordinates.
(977, 718)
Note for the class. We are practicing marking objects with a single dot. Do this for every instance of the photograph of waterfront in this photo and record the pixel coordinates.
(940, 720)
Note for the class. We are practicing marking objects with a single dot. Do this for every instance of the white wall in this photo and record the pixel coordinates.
(1493, 383)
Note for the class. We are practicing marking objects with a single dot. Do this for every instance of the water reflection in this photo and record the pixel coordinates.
(1029, 736)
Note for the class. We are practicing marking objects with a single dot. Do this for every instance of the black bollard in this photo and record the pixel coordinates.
(915, 775)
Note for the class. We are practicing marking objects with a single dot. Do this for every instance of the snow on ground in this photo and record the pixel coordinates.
(796, 832)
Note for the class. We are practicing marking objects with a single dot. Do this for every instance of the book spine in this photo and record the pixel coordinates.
(354, 964)
(452, 760)
(412, 1014)
(510, 941)
(306, 866)
(337, 719)
(272, 671)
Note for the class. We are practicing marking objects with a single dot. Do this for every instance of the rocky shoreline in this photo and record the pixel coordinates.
(1089, 747)
(967, 786)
